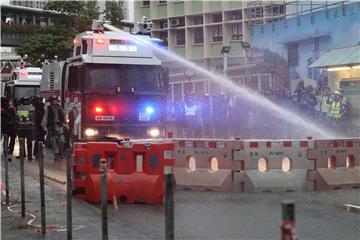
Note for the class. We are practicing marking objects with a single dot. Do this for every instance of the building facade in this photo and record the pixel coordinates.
(198, 30)
(30, 4)
(301, 40)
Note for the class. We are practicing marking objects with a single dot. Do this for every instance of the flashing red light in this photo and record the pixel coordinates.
(98, 109)
(75, 41)
(100, 40)
(23, 72)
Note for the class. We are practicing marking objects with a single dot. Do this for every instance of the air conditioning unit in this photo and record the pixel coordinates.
(175, 22)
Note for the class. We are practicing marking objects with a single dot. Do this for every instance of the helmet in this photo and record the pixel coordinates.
(51, 98)
(337, 93)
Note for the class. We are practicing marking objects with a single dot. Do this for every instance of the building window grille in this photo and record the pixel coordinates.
(217, 34)
(180, 37)
(236, 32)
(198, 35)
(164, 36)
(198, 20)
(217, 18)
(236, 15)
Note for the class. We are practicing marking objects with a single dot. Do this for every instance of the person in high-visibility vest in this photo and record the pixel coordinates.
(325, 102)
(337, 110)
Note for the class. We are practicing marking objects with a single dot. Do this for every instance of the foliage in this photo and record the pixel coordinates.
(113, 13)
(72, 17)
(45, 45)
(18, 28)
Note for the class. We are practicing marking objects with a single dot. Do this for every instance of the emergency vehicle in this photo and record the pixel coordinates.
(117, 86)
(25, 82)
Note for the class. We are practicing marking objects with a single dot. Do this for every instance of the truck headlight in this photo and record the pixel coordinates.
(90, 132)
(154, 132)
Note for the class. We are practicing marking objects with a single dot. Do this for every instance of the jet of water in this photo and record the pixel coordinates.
(286, 115)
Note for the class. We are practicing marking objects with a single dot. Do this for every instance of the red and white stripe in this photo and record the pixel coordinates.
(278, 144)
(202, 144)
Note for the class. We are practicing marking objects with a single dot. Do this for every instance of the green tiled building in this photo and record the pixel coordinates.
(198, 30)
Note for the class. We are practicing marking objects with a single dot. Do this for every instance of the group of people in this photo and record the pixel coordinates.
(43, 121)
(223, 116)
(325, 107)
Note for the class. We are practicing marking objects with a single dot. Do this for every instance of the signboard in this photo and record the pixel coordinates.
(122, 48)
(25, 116)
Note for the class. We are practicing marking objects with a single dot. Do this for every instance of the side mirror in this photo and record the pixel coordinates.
(165, 77)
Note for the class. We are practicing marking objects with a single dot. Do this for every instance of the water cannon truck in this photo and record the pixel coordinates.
(115, 86)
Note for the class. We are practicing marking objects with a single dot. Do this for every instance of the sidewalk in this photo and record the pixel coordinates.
(13, 226)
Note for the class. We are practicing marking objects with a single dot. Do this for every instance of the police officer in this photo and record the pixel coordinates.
(53, 123)
(8, 120)
(39, 131)
(25, 124)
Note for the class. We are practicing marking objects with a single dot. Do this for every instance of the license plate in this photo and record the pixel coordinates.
(104, 118)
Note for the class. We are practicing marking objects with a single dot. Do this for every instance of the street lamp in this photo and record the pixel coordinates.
(246, 47)
(225, 50)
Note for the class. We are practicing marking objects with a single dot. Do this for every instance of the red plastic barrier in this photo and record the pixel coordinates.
(135, 173)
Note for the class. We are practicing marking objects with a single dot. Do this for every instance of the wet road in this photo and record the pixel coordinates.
(211, 215)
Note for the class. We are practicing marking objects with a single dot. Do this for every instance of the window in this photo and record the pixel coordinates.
(278, 9)
(198, 35)
(108, 77)
(163, 24)
(162, 2)
(164, 36)
(236, 31)
(293, 55)
(217, 34)
(22, 91)
(77, 50)
(180, 37)
(236, 15)
(198, 20)
(217, 18)
(73, 81)
(84, 47)
(146, 3)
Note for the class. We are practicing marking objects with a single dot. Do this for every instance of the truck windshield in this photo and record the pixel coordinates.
(26, 91)
(108, 77)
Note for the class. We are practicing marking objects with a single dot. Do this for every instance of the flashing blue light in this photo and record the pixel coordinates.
(149, 110)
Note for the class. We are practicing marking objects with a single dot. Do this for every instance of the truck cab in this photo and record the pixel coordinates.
(116, 86)
(25, 82)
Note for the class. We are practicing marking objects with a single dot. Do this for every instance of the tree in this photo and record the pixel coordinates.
(73, 17)
(114, 13)
(46, 44)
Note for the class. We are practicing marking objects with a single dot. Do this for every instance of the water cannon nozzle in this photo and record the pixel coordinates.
(144, 26)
